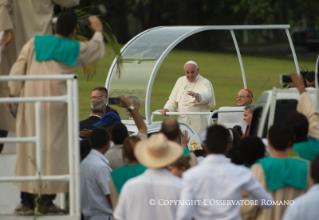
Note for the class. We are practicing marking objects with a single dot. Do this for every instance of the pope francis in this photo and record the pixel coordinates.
(192, 93)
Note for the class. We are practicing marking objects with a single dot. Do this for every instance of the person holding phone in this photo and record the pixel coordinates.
(191, 93)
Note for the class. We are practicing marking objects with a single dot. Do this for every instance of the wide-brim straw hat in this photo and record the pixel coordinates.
(157, 151)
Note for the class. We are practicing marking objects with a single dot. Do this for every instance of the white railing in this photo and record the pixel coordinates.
(71, 98)
(210, 114)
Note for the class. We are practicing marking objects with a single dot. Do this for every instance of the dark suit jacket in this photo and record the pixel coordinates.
(109, 109)
(89, 122)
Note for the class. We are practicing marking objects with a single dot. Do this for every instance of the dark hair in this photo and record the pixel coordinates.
(217, 139)
(85, 148)
(237, 128)
(67, 21)
(280, 136)
(299, 124)
(310, 76)
(99, 138)
(128, 149)
(102, 90)
(119, 133)
(235, 140)
(170, 128)
(315, 169)
(251, 149)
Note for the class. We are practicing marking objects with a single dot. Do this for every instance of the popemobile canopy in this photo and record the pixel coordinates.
(143, 55)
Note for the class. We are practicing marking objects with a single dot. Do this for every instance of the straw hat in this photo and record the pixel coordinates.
(157, 151)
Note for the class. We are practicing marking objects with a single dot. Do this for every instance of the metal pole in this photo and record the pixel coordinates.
(76, 147)
(70, 143)
(239, 58)
(38, 139)
(293, 51)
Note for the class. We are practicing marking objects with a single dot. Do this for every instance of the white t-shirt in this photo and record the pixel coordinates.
(143, 197)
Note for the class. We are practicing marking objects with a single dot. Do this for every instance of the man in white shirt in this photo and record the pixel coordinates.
(95, 176)
(147, 195)
(218, 184)
(191, 93)
(305, 207)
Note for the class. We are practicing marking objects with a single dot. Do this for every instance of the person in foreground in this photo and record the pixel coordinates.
(141, 197)
(216, 179)
(304, 122)
(191, 93)
(47, 55)
(306, 206)
(95, 175)
(284, 178)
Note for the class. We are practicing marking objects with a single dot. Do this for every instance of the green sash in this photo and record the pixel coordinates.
(124, 173)
(186, 151)
(50, 47)
(307, 149)
(282, 172)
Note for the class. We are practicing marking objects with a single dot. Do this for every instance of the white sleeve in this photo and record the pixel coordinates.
(206, 96)
(307, 107)
(171, 105)
(119, 212)
(292, 213)
(184, 212)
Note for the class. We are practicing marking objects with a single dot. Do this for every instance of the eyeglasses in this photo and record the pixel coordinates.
(241, 96)
(95, 97)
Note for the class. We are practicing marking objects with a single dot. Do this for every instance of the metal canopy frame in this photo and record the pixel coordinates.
(189, 31)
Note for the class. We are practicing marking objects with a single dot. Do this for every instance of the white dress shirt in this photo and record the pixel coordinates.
(95, 177)
(305, 207)
(216, 180)
(154, 186)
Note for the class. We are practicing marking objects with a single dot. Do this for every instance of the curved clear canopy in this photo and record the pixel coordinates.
(143, 55)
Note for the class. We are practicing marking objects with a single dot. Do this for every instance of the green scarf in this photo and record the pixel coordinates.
(307, 150)
(50, 47)
(281, 172)
(124, 173)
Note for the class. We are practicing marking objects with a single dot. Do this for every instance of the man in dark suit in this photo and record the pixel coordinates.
(101, 92)
(98, 108)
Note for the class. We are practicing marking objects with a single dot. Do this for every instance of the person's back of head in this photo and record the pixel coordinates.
(99, 138)
(119, 133)
(98, 106)
(279, 136)
(170, 128)
(217, 139)
(315, 170)
(128, 149)
(251, 149)
(66, 23)
(299, 124)
(310, 77)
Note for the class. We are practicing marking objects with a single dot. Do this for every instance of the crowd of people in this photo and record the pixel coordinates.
(159, 178)
(234, 176)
